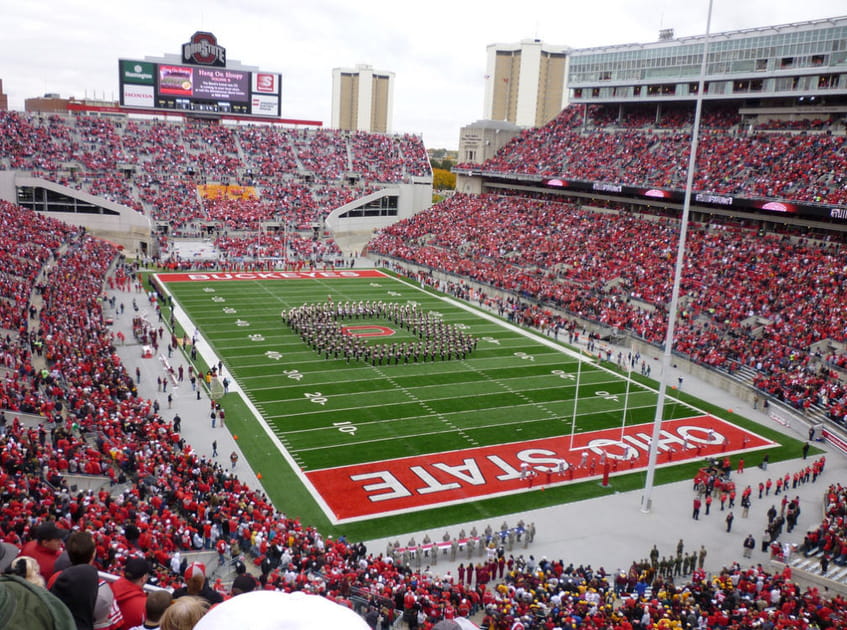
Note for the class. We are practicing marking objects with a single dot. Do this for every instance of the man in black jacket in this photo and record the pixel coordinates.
(749, 545)
(78, 585)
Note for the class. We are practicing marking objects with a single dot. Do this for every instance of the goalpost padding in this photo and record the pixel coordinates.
(216, 388)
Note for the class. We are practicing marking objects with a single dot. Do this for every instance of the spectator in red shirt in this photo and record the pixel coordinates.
(129, 591)
(46, 547)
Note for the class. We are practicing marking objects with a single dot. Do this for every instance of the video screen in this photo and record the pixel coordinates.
(220, 84)
(176, 80)
(207, 83)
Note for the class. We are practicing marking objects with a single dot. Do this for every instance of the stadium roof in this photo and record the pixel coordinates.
(487, 123)
(726, 35)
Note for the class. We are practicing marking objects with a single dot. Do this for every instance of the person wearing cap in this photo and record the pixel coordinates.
(196, 584)
(45, 547)
(129, 591)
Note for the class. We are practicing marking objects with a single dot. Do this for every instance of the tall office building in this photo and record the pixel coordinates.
(4, 98)
(362, 99)
(525, 82)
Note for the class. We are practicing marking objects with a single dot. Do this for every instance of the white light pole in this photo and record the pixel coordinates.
(646, 501)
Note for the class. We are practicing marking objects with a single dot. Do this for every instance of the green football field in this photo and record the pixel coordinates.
(369, 448)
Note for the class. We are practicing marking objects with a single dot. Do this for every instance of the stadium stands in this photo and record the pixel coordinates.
(154, 167)
(278, 246)
(771, 162)
(96, 424)
(752, 302)
(615, 269)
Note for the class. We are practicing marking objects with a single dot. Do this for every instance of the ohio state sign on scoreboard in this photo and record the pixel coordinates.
(203, 50)
(199, 79)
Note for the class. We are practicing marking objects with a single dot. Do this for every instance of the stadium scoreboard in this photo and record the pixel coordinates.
(200, 81)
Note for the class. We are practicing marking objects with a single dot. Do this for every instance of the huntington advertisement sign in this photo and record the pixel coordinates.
(138, 72)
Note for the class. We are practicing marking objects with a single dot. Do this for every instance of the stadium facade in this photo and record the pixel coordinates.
(482, 139)
(800, 63)
(770, 76)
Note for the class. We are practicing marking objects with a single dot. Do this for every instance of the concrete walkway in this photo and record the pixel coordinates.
(196, 426)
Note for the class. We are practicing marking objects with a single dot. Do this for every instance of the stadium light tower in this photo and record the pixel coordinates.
(646, 499)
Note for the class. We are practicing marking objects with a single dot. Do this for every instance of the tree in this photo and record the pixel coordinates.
(444, 164)
(443, 179)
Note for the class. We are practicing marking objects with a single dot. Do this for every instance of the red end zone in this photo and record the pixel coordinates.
(268, 275)
(390, 486)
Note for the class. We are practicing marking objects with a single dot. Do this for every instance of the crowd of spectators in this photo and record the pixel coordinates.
(168, 500)
(649, 148)
(296, 248)
(557, 596)
(155, 167)
(41, 143)
(751, 299)
(830, 537)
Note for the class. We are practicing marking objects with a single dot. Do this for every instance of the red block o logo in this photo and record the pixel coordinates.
(372, 330)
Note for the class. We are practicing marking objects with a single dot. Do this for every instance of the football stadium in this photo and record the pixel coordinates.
(259, 365)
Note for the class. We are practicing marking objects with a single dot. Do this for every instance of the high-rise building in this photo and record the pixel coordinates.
(525, 82)
(362, 99)
(4, 98)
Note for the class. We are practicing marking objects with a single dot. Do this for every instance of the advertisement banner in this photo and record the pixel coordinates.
(836, 213)
(137, 96)
(137, 72)
(221, 191)
(265, 83)
(262, 105)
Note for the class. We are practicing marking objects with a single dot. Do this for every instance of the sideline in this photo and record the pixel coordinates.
(209, 356)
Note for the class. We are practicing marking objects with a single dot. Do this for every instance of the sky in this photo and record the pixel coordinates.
(437, 49)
